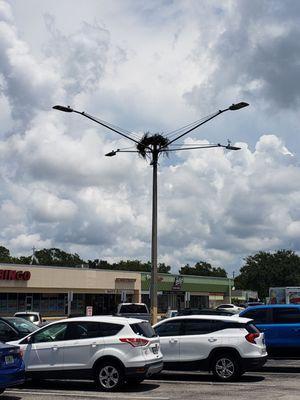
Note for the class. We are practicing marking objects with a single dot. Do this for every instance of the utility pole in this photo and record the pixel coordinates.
(153, 284)
(151, 147)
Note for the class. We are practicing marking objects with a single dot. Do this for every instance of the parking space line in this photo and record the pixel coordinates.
(98, 395)
(211, 383)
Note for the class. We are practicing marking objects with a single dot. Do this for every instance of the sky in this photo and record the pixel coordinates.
(150, 66)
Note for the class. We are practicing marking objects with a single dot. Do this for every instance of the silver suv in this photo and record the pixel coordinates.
(226, 345)
(110, 350)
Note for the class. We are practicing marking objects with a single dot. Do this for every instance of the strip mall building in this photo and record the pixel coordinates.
(48, 290)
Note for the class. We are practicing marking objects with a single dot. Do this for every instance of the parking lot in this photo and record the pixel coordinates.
(279, 379)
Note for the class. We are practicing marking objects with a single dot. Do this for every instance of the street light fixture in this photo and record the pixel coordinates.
(151, 146)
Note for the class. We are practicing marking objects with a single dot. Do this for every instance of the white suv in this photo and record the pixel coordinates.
(227, 346)
(110, 350)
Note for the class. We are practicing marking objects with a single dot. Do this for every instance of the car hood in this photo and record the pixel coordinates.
(15, 342)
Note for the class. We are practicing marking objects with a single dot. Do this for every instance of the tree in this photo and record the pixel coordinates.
(4, 255)
(264, 270)
(203, 268)
(163, 268)
(58, 257)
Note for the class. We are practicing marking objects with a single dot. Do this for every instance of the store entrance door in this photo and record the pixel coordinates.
(28, 303)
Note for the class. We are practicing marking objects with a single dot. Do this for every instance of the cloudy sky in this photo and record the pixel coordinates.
(150, 66)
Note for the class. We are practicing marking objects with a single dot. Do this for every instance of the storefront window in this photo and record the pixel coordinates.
(36, 301)
(61, 301)
(199, 302)
(12, 303)
(53, 302)
(3, 302)
(21, 301)
(162, 303)
(44, 303)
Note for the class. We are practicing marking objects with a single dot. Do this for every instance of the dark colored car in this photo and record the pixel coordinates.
(281, 326)
(203, 311)
(14, 328)
(12, 369)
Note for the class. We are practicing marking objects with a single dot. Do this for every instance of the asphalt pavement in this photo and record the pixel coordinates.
(279, 379)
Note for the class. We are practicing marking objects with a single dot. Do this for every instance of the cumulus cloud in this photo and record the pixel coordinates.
(156, 67)
(82, 55)
(252, 54)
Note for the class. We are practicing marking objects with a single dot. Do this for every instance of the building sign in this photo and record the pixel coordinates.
(89, 311)
(178, 281)
(13, 275)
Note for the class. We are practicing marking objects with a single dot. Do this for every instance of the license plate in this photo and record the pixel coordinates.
(9, 359)
(155, 349)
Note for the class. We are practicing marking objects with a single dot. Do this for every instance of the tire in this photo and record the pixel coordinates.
(109, 376)
(135, 381)
(225, 368)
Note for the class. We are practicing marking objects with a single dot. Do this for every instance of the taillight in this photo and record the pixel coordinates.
(135, 342)
(251, 337)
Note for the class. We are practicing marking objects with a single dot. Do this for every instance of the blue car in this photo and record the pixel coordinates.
(281, 326)
(12, 368)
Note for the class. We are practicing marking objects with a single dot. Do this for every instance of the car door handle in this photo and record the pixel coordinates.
(54, 348)
(173, 340)
(94, 344)
(211, 339)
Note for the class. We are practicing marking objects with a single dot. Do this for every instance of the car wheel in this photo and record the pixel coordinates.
(109, 376)
(225, 367)
(134, 381)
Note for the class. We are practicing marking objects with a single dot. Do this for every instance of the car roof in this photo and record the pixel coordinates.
(27, 312)
(272, 306)
(101, 318)
(229, 318)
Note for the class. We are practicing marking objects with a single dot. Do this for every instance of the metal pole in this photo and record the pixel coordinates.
(153, 287)
(229, 290)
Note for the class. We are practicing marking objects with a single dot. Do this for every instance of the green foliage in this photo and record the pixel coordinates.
(4, 255)
(129, 265)
(264, 270)
(203, 268)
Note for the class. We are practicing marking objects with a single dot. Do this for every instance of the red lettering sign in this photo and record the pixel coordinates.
(13, 275)
(26, 275)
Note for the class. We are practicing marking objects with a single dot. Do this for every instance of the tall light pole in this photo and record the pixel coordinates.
(151, 147)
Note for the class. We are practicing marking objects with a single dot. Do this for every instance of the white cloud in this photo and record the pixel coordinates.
(155, 66)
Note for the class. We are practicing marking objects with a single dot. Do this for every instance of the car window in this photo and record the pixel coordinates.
(86, 330)
(22, 325)
(133, 309)
(50, 334)
(6, 332)
(259, 316)
(143, 329)
(28, 317)
(170, 328)
(196, 326)
(286, 315)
